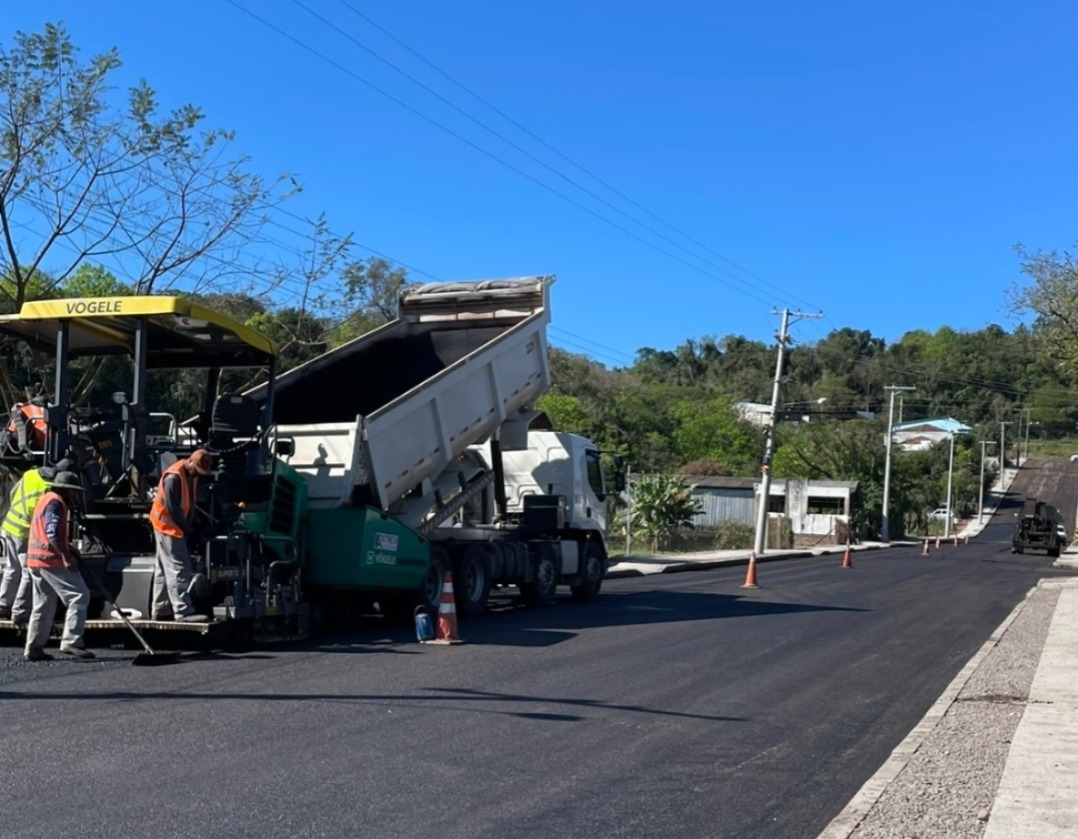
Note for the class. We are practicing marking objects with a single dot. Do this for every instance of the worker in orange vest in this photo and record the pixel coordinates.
(16, 590)
(54, 573)
(171, 515)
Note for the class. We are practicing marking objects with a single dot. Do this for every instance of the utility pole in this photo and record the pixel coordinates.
(980, 503)
(1029, 417)
(950, 476)
(1003, 449)
(769, 446)
(885, 521)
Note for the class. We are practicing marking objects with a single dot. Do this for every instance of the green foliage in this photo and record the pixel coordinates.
(712, 431)
(733, 535)
(660, 505)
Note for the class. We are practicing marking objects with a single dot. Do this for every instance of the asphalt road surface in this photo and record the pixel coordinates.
(677, 705)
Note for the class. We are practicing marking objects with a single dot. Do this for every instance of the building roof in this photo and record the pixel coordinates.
(720, 482)
(948, 425)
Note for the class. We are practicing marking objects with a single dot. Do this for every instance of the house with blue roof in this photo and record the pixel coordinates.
(917, 435)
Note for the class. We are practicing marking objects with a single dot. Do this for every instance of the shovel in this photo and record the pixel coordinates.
(149, 658)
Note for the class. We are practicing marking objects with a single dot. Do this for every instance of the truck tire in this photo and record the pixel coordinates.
(497, 563)
(430, 593)
(472, 581)
(592, 571)
(1053, 552)
(541, 591)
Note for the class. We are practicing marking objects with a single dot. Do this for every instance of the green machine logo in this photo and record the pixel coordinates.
(385, 549)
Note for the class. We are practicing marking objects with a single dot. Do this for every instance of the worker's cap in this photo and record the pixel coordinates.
(68, 480)
(65, 465)
(202, 460)
(48, 473)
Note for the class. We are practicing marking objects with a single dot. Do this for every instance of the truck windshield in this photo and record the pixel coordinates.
(595, 472)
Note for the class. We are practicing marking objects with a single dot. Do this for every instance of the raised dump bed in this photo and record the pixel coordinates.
(378, 416)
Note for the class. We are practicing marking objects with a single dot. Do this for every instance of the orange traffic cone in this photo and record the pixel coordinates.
(925, 551)
(956, 540)
(847, 560)
(937, 543)
(966, 542)
(447, 615)
(750, 575)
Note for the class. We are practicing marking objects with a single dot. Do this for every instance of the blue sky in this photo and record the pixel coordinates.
(873, 161)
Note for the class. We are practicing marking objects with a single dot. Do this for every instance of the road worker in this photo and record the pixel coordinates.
(16, 592)
(52, 566)
(171, 516)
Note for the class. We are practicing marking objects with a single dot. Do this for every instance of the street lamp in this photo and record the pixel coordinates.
(950, 476)
(980, 494)
(885, 521)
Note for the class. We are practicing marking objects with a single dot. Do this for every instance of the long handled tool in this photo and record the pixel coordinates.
(149, 658)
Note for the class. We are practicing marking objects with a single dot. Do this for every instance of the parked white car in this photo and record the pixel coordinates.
(1061, 531)
(940, 514)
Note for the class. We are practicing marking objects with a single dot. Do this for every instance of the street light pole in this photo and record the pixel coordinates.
(1003, 449)
(1029, 418)
(980, 495)
(950, 474)
(885, 521)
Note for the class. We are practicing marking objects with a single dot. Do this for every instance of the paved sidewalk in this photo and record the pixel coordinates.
(1038, 794)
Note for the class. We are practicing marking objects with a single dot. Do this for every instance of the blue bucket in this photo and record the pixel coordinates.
(424, 626)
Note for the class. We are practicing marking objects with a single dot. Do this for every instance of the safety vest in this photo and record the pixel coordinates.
(159, 516)
(24, 498)
(39, 552)
(28, 426)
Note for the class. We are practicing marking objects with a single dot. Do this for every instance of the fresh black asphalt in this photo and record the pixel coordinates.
(677, 705)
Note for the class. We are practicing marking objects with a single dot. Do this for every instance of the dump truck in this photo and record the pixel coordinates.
(361, 476)
(415, 444)
(1037, 529)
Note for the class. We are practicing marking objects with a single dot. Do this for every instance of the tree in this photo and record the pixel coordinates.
(371, 289)
(660, 505)
(1053, 298)
(159, 196)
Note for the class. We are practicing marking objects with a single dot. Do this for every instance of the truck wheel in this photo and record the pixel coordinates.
(541, 592)
(592, 571)
(471, 581)
(430, 595)
(1053, 552)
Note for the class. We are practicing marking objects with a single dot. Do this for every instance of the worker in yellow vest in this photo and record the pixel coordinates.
(15, 588)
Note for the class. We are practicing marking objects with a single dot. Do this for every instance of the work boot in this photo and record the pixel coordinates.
(78, 652)
(193, 618)
(37, 655)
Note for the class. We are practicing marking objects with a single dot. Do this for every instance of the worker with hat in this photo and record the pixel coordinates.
(16, 591)
(52, 565)
(171, 516)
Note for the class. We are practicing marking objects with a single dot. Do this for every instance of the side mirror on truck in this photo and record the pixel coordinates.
(284, 447)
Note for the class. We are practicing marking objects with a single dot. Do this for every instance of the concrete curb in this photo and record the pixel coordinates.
(676, 566)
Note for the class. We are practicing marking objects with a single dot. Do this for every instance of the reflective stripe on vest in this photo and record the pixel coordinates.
(159, 516)
(24, 499)
(39, 552)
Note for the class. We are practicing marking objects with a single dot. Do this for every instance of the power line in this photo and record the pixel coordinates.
(492, 156)
(559, 153)
(511, 143)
